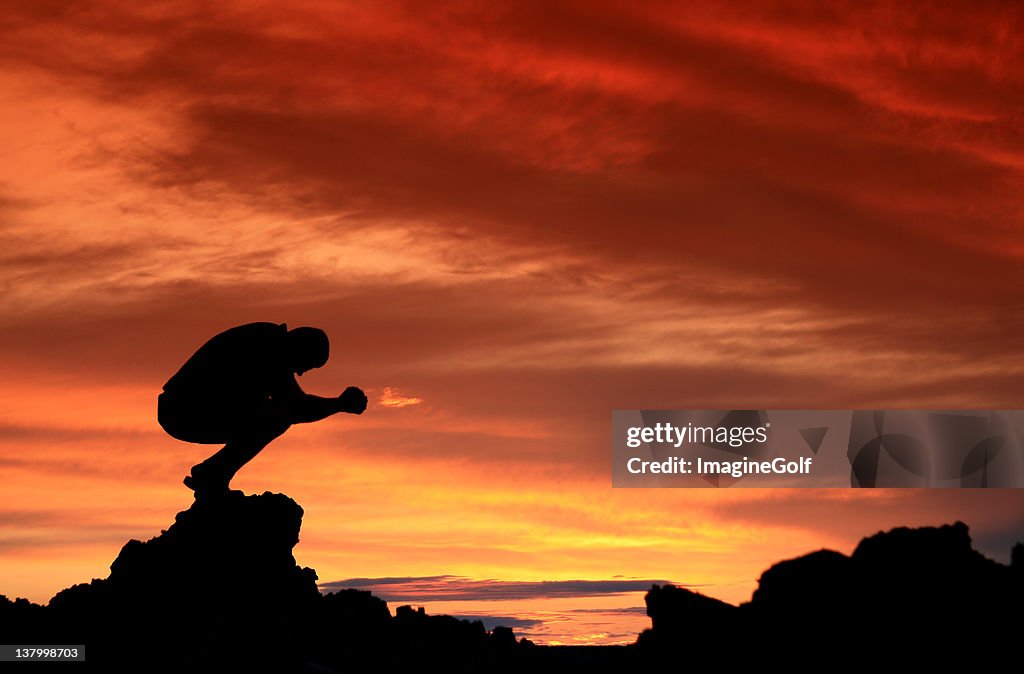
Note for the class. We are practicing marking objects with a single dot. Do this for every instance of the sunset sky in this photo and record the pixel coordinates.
(510, 220)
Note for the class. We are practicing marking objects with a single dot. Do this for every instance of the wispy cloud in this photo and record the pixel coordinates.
(390, 397)
(456, 588)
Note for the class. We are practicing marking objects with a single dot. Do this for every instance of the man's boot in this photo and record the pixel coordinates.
(207, 481)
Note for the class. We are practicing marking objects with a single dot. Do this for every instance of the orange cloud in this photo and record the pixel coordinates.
(390, 397)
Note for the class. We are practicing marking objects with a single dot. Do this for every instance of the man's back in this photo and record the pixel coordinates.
(248, 360)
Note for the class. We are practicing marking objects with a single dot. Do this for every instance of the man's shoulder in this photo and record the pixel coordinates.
(255, 330)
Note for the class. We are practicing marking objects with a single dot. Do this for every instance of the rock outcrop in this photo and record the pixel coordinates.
(219, 587)
(920, 595)
(219, 590)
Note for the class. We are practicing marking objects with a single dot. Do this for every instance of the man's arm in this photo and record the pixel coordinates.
(305, 408)
(311, 408)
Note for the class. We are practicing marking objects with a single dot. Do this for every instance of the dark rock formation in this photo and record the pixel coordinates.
(806, 583)
(21, 621)
(219, 587)
(912, 595)
(677, 611)
(220, 591)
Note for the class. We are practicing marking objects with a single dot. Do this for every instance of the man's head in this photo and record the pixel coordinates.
(307, 348)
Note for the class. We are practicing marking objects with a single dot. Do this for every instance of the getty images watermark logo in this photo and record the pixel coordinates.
(730, 436)
(818, 448)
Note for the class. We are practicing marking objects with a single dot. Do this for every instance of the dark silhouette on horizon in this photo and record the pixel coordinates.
(916, 596)
(219, 590)
(239, 389)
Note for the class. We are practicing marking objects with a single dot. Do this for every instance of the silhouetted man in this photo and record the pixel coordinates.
(240, 389)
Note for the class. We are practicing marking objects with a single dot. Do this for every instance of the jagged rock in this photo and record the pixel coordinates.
(910, 594)
(221, 579)
(220, 591)
(806, 583)
(686, 616)
(21, 621)
(503, 637)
